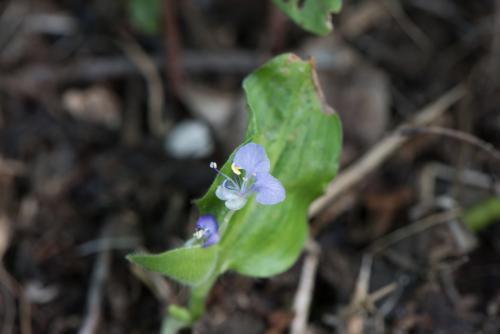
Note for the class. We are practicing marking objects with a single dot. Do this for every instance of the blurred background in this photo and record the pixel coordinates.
(110, 112)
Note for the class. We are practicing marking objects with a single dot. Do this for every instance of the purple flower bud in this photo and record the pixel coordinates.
(234, 191)
(207, 230)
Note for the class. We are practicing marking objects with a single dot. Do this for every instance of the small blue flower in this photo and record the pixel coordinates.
(207, 230)
(251, 167)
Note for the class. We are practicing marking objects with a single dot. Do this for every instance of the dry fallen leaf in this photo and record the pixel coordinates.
(96, 104)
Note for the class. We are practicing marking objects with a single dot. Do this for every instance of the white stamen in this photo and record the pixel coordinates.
(199, 234)
(213, 165)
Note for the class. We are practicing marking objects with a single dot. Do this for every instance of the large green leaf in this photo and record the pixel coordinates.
(312, 15)
(191, 266)
(302, 137)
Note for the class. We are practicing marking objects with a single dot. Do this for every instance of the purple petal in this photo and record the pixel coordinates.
(209, 223)
(269, 189)
(225, 194)
(213, 239)
(252, 158)
(236, 203)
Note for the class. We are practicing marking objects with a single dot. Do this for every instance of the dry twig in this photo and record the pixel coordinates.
(303, 296)
(31, 77)
(353, 175)
(454, 134)
(363, 284)
(157, 124)
(100, 273)
(412, 30)
(12, 287)
(495, 45)
(7, 310)
(12, 20)
(173, 46)
(24, 306)
(354, 318)
(416, 227)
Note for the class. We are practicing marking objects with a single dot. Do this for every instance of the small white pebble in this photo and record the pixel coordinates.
(189, 139)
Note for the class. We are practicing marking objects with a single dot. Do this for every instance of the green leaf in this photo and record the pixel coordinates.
(178, 318)
(145, 15)
(483, 214)
(312, 15)
(191, 266)
(302, 137)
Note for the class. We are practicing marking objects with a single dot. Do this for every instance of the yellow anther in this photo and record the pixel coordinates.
(236, 169)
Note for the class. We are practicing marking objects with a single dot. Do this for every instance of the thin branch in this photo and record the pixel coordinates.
(303, 296)
(16, 288)
(7, 310)
(357, 172)
(415, 228)
(410, 28)
(362, 288)
(454, 134)
(377, 295)
(157, 124)
(31, 77)
(93, 313)
(495, 45)
(173, 47)
(12, 19)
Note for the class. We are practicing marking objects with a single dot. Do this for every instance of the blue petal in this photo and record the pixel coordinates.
(226, 194)
(209, 223)
(236, 203)
(213, 239)
(233, 200)
(252, 158)
(269, 189)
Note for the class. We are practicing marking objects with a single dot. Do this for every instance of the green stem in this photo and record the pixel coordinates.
(225, 222)
(200, 293)
(198, 299)
(172, 325)
(179, 317)
(176, 319)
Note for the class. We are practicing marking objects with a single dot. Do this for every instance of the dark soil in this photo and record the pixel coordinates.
(85, 177)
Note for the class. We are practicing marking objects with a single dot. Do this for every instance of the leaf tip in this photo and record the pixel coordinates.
(293, 58)
(132, 257)
(327, 109)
